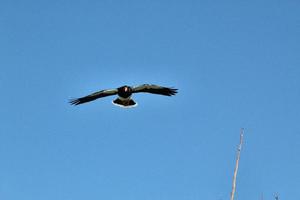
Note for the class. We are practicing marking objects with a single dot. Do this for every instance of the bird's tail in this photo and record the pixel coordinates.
(128, 103)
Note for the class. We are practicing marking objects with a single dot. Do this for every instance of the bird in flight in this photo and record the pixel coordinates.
(124, 94)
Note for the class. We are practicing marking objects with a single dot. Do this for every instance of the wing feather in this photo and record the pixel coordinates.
(93, 96)
(155, 89)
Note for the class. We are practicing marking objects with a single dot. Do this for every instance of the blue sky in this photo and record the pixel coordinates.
(236, 64)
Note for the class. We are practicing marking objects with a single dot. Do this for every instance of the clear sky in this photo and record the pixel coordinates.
(236, 64)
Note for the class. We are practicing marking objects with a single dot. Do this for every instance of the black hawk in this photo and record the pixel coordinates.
(124, 94)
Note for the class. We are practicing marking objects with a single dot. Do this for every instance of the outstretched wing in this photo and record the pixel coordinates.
(155, 89)
(92, 97)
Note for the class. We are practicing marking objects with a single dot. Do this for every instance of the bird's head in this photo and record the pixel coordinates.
(125, 89)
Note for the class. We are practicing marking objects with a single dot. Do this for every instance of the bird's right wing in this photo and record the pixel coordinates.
(92, 97)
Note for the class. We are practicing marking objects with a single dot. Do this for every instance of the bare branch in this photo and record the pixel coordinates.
(237, 164)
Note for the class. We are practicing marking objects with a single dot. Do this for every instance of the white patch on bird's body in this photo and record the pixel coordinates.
(122, 106)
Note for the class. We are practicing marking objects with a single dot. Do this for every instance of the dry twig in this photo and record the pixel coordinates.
(237, 164)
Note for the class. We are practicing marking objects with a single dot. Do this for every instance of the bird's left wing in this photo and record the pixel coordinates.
(155, 89)
(91, 97)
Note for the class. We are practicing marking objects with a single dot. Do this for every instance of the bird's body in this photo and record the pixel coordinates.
(124, 94)
(124, 97)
